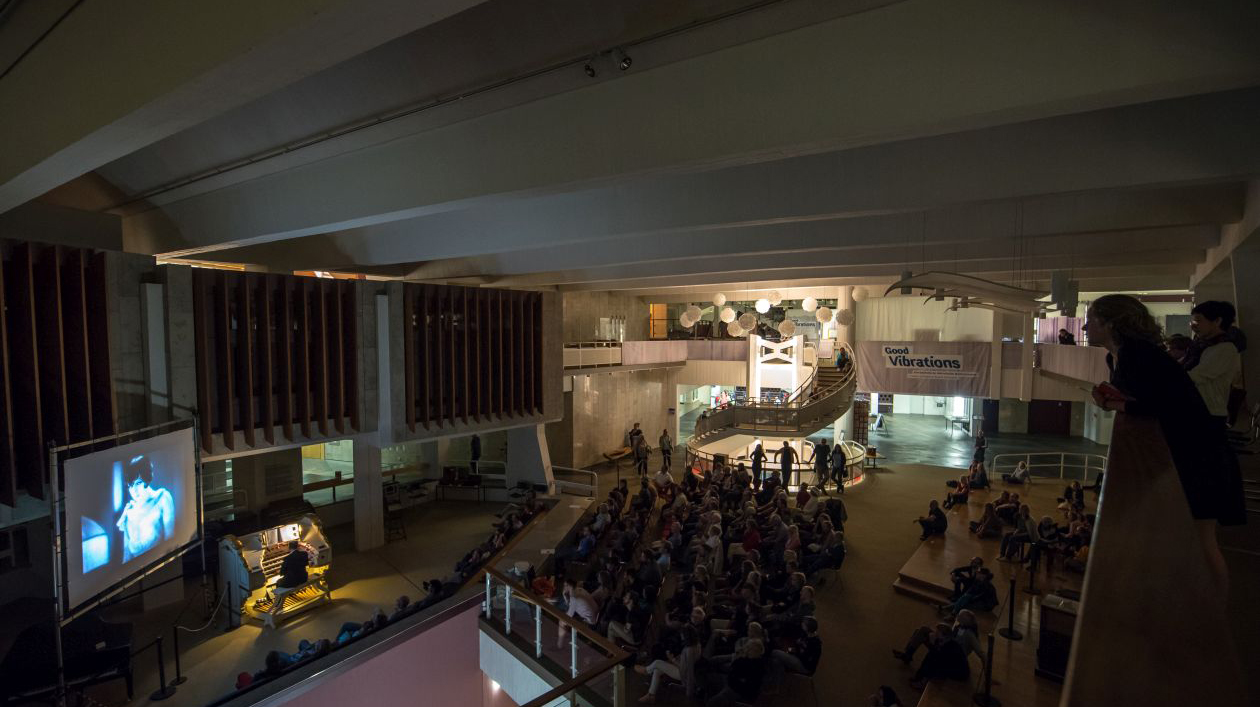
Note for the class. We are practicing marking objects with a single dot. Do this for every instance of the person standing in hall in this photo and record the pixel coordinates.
(1066, 338)
(758, 465)
(839, 467)
(982, 446)
(640, 454)
(667, 448)
(821, 460)
(787, 460)
(1147, 382)
(1213, 360)
(474, 453)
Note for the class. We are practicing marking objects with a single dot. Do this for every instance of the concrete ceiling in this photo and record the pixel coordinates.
(799, 143)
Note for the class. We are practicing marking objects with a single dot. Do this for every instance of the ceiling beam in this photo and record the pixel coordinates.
(939, 57)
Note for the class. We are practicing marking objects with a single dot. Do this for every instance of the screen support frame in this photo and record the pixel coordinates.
(62, 611)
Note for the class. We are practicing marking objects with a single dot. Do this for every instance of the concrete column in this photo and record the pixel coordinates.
(527, 456)
(843, 429)
(1028, 325)
(995, 364)
(369, 493)
(1246, 263)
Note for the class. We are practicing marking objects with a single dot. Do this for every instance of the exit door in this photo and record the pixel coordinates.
(1051, 417)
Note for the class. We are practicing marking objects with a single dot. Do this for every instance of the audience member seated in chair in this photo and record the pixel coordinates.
(579, 604)
(1073, 498)
(680, 666)
(934, 523)
(1007, 507)
(989, 525)
(945, 660)
(802, 657)
(1025, 532)
(1019, 476)
(743, 680)
(292, 576)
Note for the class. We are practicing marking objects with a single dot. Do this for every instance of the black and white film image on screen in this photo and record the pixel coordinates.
(126, 509)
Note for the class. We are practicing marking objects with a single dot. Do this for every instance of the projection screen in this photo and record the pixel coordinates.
(127, 509)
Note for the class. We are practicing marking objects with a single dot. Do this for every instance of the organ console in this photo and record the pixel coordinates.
(249, 567)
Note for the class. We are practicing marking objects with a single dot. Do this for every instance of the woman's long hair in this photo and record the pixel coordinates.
(1129, 319)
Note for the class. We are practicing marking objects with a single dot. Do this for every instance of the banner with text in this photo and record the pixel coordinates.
(925, 367)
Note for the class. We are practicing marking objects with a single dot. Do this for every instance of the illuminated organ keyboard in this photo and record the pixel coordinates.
(249, 566)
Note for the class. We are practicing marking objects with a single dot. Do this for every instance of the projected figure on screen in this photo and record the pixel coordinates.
(149, 515)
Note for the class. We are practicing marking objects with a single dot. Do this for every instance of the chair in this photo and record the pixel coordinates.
(395, 528)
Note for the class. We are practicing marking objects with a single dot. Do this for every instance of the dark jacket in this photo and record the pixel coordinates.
(745, 677)
(293, 569)
(1158, 387)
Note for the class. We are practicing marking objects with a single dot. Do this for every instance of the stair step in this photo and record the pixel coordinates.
(920, 591)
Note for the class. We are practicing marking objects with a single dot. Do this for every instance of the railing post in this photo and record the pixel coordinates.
(486, 606)
(573, 651)
(1061, 459)
(619, 686)
(538, 651)
(507, 609)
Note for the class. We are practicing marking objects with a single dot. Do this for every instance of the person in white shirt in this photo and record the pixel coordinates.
(1213, 362)
(581, 604)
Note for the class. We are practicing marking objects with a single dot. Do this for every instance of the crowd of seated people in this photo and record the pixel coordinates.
(709, 580)
(511, 521)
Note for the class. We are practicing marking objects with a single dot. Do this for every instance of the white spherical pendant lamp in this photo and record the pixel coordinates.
(727, 315)
(693, 313)
(734, 329)
(686, 321)
(774, 297)
(762, 305)
(860, 293)
(823, 315)
(845, 317)
(719, 299)
(787, 327)
(809, 304)
(747, 321)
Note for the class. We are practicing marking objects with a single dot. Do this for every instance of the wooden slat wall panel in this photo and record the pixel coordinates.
(479, 369)
(350, 352)
(245, 393)
(465, 367)
(319, 372)
(425, 352)
(8, 460)
(285, 346)
(302, 345)
(500, 361)
(104, 406)
(336, 358)
(439, 373)
(75, 336)
(223, 360)
(24, 362)
(264, 308)
(452, 409)
(52, 360)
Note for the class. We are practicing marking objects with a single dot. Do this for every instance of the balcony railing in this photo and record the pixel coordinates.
(588, 668)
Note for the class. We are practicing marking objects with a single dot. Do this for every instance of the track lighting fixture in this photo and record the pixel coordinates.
(589, 69)
(623, 60)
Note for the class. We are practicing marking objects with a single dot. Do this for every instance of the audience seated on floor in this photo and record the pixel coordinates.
(989, 525)
(1018, 476)
(962, 489)
(934, 523)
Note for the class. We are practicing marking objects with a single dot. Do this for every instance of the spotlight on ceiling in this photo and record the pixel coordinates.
(623, 60)
(590, 70)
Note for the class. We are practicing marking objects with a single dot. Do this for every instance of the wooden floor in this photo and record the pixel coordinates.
(926, 576)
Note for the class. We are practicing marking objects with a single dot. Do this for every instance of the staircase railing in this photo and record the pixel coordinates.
(789, 417)
(1052, 464)
(1152, 628)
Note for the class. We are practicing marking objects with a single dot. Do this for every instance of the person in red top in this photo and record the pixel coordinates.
(752, 538)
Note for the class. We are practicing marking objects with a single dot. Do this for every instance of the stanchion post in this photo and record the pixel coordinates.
(986, 698)
(179, 676)
(1032, 574)
(1008, 632)
(164, 690)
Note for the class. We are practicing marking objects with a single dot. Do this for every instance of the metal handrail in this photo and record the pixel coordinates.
(593, 486)
(719, 418)
(1096, 463)
(856, 462)
(514, 591)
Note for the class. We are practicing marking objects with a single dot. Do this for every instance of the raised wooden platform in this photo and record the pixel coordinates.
(926, 576)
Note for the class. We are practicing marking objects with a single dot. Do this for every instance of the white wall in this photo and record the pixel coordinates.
(920, 405)
(909, 319)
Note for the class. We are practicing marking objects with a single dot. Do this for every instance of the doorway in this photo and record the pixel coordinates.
(1052, 417)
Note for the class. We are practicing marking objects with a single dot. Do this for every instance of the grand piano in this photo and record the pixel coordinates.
(249, 566)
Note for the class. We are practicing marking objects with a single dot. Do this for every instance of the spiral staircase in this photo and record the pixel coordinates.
(824, 397)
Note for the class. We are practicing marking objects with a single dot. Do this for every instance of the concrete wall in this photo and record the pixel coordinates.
(1012, 416)
(269, 476)
(604, 406)
(582, 311)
